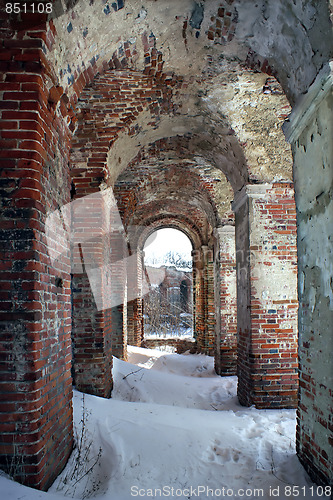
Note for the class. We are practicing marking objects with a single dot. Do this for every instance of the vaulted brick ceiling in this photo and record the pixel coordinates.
(187, 37)
(198, 75)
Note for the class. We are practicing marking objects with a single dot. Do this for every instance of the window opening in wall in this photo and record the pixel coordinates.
(168, 307)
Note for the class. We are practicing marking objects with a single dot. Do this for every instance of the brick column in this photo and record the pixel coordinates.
(226, 353)
(266, 296)
(118, 289)
(99, 284)
(204, 299)
(209, 279)
(198, 288)
(135, 304)
(310, 131)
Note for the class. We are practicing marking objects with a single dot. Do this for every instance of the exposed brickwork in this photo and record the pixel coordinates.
(223, 25)
(206, 337)
(98, 329)
(127, 54)
(259, 63)
(267, 302)
(106, 108)
(91, 335)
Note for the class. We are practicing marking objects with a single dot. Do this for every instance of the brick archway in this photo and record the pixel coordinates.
(203, 278)
(42, 82)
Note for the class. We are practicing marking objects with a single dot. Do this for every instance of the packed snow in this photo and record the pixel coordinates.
(174, 429)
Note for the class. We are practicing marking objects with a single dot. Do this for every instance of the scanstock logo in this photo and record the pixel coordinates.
(88, 235)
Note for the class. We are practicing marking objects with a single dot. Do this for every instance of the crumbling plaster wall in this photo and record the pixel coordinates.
(311, 130)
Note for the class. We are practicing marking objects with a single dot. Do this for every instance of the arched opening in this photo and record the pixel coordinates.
(168, 306)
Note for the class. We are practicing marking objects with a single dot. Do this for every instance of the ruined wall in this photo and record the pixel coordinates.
(310, 131)
(205, 306)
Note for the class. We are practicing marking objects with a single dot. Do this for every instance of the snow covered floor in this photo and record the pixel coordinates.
(174, 429)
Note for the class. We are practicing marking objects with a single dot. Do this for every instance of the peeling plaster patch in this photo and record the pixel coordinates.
(312, 298)
(197, 16)
(276, 284)
(142, 15)
(301, 282)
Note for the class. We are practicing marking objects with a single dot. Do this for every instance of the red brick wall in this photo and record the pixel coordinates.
(35, 133)
(36, 391)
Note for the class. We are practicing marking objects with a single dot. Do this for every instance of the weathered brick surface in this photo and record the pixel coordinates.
(135, 325)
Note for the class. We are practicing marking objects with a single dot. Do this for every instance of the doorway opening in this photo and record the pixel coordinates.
(168, 307)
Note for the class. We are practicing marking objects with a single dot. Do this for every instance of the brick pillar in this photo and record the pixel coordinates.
(198, 297)
(209, 276)
(35, 371)
(310, 131)
(226, 353)
(97, 246)
(204, 284)
(135, 304)
(266, 296)
(118, 289)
